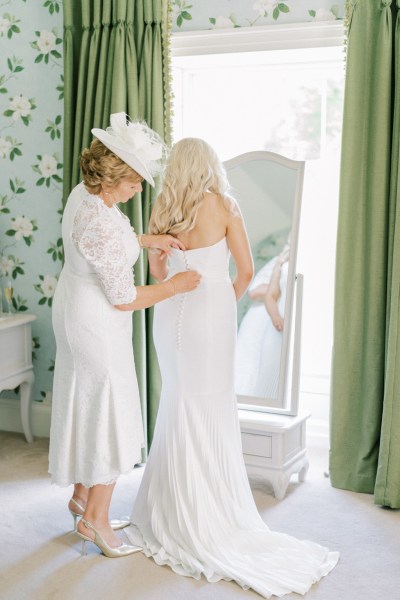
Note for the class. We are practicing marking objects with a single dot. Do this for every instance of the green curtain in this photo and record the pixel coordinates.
(365, 399)
(116, 59)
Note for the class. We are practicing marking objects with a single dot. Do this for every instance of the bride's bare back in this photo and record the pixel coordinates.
(212, 221)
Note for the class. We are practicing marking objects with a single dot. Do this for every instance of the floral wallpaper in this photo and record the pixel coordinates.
(192, 15)
(31, 109)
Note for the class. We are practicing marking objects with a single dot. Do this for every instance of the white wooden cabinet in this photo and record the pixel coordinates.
(16, 362)
(274, 447)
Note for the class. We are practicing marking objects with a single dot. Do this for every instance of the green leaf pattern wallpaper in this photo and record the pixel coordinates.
(192, 15)
(31, 109)
(31, 126)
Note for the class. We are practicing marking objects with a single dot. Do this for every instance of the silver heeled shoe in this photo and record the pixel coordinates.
(76, 515)
(123, 550)
(115, 523)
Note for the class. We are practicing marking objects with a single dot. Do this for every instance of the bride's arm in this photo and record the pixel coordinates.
(239, 246)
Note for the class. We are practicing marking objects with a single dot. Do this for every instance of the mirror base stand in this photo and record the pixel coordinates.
(274, 448)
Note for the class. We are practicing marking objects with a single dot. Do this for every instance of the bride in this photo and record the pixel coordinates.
(194, 510)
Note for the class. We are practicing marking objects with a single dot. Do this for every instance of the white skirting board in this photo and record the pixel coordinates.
(10, 418)
(315, 404)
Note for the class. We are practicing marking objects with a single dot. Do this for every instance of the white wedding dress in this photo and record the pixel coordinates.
(259, 344)
(194, 510)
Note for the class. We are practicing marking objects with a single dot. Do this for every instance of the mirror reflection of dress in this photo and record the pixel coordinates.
(194, 510)
(259, 342)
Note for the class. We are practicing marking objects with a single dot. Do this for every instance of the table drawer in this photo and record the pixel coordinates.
(257, 444)
(15, 349)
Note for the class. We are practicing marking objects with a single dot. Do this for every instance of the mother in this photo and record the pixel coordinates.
(96, 429)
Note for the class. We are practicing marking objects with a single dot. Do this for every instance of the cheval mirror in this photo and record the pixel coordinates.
(268, 189)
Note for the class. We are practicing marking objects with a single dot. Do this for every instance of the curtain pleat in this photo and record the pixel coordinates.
(114, 53)
(365, 445)
(387, 486)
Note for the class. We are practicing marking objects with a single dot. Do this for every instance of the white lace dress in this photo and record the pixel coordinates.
(96, 427)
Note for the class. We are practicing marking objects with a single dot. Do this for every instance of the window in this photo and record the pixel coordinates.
(286, 100)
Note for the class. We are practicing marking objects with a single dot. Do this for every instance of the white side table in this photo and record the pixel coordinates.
(16, 362)
(274, 447)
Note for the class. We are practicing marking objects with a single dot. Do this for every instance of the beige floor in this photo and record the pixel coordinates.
(40, 556)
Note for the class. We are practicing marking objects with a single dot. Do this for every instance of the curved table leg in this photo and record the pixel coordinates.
(280, 484)
(303, 470)
(25, 395)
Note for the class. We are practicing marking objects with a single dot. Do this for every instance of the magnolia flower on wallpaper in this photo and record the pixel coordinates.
(8, 25)
(11, 266)
(47, 168)
(266, 7)
(5, 146)
(4, 25)
(9, 144)
(322, 14)
(46, 42)
(20, 108)
(22, 228)
(263, 7)
(223, 22)
(46, 45)
(180, 11)
(48, 165)
(46, 288)
(6, 265)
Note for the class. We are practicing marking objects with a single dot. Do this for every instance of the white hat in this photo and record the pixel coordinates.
(135, 143)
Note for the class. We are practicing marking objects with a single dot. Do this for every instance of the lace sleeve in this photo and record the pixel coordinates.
(101, 245)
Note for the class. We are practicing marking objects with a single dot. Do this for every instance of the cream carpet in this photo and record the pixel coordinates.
(40, 556)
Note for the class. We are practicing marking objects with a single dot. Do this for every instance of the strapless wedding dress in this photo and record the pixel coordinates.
(194, 510)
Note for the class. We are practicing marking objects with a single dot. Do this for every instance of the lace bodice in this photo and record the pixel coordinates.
(99, 241)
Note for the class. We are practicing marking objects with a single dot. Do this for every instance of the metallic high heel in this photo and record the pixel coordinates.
(75, 515)
(114, 523)
(123, 550)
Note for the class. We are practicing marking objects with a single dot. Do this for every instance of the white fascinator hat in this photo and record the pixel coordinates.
(135, 143)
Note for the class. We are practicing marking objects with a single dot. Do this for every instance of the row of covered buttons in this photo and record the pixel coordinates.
(181, 309)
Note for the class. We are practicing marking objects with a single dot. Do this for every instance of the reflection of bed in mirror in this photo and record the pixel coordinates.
(268, 189)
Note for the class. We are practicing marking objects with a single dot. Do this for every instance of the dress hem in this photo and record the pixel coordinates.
(102, 481)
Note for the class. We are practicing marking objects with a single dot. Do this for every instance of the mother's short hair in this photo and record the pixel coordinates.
(101, 167)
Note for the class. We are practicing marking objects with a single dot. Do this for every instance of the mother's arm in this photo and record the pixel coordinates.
(148, 295)
(158, 266)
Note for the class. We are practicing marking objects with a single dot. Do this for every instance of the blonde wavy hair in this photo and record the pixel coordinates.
(101, 167)
(193, 168)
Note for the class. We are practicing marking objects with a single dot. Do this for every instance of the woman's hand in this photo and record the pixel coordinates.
(164, 243)
(186, 281)
(278, 323)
